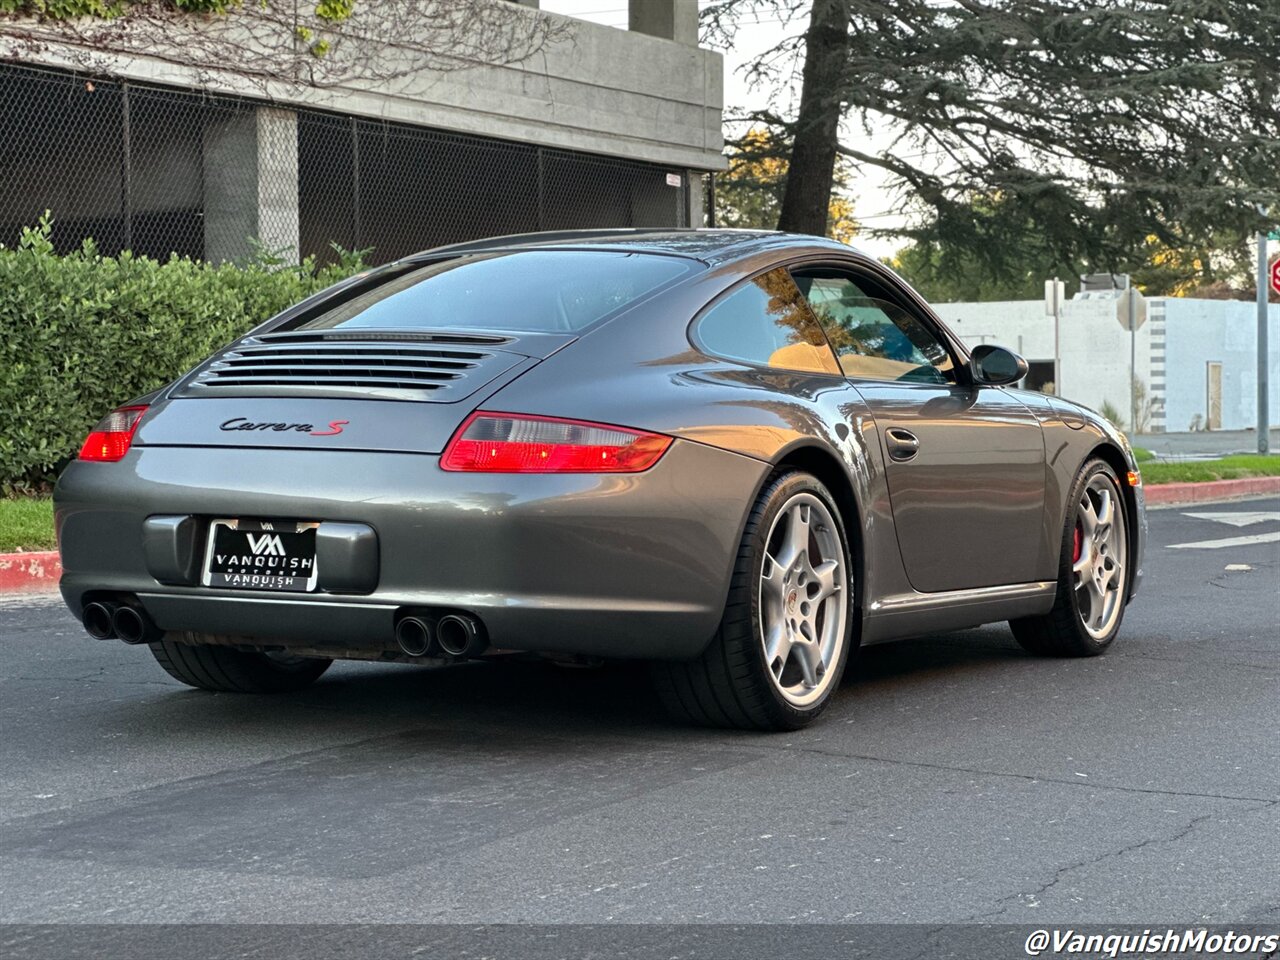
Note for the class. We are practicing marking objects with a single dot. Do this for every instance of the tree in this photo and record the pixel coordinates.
(999, 258)
(1099, 123)
(976, 269)
(1220, 261)
(749, 193)
(814, 149)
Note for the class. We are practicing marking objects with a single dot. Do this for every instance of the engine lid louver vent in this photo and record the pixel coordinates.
(284, 366)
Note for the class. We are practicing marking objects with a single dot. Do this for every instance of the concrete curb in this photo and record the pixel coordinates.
(29, 572)
(1167, 494)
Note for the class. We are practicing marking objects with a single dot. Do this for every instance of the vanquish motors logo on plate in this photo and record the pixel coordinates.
(241, 423)
(261, 555)
(269, 543)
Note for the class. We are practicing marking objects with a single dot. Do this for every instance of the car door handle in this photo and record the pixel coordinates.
(902, 444)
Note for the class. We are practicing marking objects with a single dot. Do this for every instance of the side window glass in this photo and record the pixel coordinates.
(766, 321)
(873, 338)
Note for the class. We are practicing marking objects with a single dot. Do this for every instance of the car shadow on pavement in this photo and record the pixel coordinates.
(965, 651)
(510, 698)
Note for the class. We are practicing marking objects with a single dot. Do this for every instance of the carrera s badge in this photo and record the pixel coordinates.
(240, 423)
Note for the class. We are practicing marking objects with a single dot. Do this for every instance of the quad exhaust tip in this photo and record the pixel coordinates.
(110, 619)
(455, 636)
(461, 636)
(133, 626)
(414, 636)
(98, 619)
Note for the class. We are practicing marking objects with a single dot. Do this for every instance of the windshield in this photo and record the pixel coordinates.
(544, 291)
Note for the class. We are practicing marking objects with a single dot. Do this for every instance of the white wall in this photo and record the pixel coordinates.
(1020, 325)
(1172, 348)
(1095, 348)
(1200, 331)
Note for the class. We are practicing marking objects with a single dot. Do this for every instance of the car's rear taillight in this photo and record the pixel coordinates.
(110, 439)
(515, 443)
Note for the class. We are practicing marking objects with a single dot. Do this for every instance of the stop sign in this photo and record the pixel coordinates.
(1275, 274)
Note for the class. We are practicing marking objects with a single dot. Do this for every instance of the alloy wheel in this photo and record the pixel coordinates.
(804, 600)
(1099, 554)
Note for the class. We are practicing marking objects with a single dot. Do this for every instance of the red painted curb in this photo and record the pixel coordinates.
(1164, 493)
(29, 571)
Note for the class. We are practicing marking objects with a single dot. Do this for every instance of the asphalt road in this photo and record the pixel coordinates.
(956, 779)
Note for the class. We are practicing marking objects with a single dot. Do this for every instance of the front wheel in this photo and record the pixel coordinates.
(1093, 572)
(782, 644)
(212, 666)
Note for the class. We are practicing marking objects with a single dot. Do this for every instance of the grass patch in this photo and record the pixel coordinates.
(1142, 454)
(1202, 471)
(26, 524)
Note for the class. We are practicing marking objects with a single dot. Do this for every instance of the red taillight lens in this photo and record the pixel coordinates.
(109, 441)
(513, 443)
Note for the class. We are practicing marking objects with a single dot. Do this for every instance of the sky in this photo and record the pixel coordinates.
(873, 202)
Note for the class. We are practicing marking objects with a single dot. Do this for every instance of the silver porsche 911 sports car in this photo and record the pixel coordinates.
(737, 455)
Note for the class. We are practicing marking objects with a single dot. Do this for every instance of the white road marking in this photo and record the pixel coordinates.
(1237, 566)
(1272, 537)
(1236, 519)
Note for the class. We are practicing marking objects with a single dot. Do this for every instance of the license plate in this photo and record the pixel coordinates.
(261, 555)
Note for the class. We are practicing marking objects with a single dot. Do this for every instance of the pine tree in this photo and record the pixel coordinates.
(1098, 124)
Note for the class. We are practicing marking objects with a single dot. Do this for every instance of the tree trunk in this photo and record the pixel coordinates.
(807, 193)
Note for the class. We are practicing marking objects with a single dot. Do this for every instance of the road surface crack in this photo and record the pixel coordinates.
(1033, 897)
(1033, 778)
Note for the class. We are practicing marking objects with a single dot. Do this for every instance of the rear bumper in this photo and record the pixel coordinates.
(617, 566)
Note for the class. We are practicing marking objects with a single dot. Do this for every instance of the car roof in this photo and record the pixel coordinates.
(709, 245)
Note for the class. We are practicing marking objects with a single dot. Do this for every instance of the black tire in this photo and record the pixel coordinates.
(1061, 632)
(730, 685)
(211, 666)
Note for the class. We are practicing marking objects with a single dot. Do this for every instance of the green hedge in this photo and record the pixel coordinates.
(81, 334)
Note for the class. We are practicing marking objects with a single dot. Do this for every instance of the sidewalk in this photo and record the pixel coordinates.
(1216, 443)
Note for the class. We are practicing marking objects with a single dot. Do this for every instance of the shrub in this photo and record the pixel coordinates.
(81, 334)
(1110, 411)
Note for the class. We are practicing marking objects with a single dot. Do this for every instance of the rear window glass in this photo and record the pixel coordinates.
(543, 291)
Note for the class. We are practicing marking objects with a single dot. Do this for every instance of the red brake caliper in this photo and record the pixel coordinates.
(1077, 542)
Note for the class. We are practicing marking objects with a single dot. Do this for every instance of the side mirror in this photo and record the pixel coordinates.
(995, 366)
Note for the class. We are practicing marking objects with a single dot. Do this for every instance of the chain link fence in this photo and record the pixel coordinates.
(158, 170)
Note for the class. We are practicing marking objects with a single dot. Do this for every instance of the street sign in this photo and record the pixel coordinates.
(1131, 309)
(1273, 235)
(1055, 292)
(1275, 274)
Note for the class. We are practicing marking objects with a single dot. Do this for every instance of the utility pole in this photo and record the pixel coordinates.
(1131, 309)
(1264, 405)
